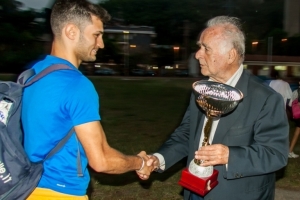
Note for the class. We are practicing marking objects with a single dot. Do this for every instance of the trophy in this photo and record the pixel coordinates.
(215, 99)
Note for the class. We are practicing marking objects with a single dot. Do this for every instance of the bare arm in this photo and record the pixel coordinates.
(102, 157)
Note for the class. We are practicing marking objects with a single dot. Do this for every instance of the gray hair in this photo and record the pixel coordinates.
(233, 31)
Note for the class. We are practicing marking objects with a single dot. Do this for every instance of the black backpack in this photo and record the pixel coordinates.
(18, 175)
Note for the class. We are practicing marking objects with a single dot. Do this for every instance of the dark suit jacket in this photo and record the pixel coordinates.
(256, 133)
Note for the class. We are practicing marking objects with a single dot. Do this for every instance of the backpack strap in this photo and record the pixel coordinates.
(24, 76)
(60, 144)
(22, 79)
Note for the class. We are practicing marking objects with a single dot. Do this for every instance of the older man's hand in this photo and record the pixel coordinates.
(216, 154)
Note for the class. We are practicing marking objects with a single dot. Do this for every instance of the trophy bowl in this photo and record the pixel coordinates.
(216, 98)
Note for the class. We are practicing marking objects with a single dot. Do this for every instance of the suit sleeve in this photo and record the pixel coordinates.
(177, 146)
(268, 152)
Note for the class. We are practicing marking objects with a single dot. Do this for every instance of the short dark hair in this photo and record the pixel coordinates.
(78, 12)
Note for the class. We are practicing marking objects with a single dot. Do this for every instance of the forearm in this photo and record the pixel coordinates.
(115, 162)
(101, 157)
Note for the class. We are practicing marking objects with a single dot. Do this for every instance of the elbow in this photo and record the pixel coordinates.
(99, 166)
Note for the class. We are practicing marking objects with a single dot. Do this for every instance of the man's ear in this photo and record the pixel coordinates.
(71, 31)
(232, 56)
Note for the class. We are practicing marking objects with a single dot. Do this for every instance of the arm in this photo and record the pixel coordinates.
(177, 146)
(102, 157)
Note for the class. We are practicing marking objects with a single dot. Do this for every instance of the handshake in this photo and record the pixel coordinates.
(150, 163)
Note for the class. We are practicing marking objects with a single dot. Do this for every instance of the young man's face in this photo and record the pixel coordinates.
(90, 40)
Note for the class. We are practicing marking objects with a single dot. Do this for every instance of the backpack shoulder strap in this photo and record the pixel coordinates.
(60, 144)
(24, 76)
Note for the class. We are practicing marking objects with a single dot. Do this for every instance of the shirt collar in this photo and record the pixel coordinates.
(234, 78)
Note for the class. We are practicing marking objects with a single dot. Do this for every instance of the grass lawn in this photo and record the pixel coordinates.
(139, 114)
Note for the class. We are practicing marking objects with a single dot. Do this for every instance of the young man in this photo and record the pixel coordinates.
(66, 99)
(248, 144)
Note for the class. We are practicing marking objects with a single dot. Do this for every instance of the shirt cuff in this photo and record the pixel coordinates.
(161, 161)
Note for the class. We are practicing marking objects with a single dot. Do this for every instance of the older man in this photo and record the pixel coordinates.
(249, 144)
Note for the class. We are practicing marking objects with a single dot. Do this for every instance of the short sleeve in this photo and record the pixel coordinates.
(83, 102)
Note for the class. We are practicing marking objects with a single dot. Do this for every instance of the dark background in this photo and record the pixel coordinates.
(176, 22)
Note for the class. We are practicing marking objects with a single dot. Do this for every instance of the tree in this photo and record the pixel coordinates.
(168, 16)
(18, 31)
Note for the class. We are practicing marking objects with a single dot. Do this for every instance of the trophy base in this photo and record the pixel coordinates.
(198, 185)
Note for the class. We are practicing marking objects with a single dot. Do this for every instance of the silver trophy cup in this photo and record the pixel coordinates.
(215, 99)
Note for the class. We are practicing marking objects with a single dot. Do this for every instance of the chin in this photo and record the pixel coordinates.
(204, 72)
(90, 59)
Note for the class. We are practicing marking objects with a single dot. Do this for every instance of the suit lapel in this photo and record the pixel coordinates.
(228, 120)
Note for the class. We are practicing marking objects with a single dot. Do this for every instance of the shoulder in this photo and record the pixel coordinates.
(258, 85)
(257, 89)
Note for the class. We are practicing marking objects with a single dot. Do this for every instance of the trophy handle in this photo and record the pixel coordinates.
(207, 130)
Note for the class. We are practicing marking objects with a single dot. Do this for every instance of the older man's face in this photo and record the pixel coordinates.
(213, 53)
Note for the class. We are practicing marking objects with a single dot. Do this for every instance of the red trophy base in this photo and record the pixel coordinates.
(198, 185)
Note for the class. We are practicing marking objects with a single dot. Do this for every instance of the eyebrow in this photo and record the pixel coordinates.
(203, 44)
(100, 32)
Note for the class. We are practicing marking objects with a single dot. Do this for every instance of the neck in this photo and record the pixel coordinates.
(227, 74)
(61, 50)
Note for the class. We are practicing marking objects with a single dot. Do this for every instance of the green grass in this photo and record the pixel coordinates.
(139, 114)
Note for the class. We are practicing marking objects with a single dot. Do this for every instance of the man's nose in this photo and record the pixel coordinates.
(100, 43)
(198, 54)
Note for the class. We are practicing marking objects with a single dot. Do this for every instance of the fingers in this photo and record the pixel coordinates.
(142, 176)
(215, 154)
(146, 168)
(151, 163)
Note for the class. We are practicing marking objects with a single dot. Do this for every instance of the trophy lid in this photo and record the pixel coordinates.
(216, 98)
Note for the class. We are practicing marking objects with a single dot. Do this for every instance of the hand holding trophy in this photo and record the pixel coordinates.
(215, 99)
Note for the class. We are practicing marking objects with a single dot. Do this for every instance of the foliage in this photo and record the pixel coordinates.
(176, 22)
(18, 33)
(168, 16)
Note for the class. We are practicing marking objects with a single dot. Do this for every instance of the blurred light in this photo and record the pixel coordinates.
(283, 40)
(176, 66)
(265, 68)
(254, 42)
(280, 68)
(132, 46)
(126, 32)
(176, 48)
(154, 67)
(168, 67)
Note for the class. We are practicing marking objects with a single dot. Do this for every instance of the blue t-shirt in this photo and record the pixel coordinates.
(51, 107)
